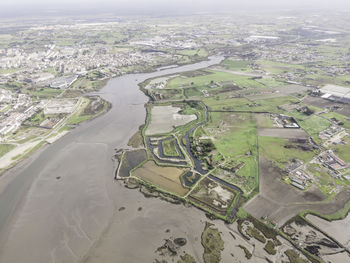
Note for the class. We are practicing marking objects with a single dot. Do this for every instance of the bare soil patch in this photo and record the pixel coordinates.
(290, 89)
(319, 102)
(197, 73)
(167, 178)
(214, 195)
(277, 200)
(283, 133)
(323, 103)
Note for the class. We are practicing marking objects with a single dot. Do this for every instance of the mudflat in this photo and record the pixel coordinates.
(165, 118)
(59, 205)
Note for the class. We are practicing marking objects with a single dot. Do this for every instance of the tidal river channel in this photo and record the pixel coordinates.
(63, 205)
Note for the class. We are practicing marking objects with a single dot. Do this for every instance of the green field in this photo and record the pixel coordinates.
(236, 65)
(274, 150)
(43, 93)
(76, 119)
(78, 116)
(324, 180)
(86, 84)
(38, 118)
(234, 134)
(299, 116)
(243, 104)
(5, 40)
(5, 148)
(214, 77)
(235, 138)
(343, 150)
(194, 52)
(9, 70)
(81, 116)
(279, 67)
(314, 125)
(339, 117)
(216, 85)
(5, 108)
(169, 147)
(263, 121)
(52, 71)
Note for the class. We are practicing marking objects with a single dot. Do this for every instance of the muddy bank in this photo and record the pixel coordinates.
(315, 241)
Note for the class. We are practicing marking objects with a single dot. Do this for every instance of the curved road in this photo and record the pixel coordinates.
(61, 205)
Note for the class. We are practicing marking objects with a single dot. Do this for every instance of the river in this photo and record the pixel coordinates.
(62, 204)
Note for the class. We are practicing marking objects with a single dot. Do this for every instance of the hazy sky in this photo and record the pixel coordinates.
(159, 6)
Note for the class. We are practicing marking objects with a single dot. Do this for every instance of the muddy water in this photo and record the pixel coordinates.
(63, 204)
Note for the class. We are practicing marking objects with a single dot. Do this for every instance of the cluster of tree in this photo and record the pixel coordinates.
(306, 110)
(202, 150)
